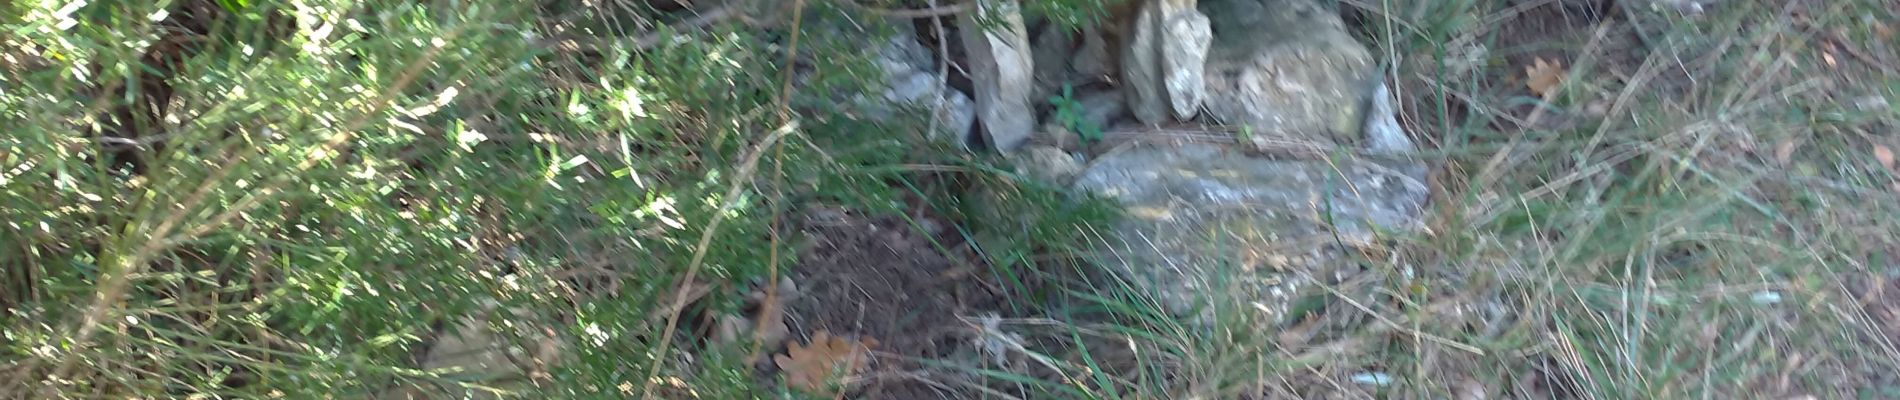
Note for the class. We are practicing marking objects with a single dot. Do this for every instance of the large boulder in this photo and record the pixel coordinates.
(1002, 72)
(1211, 223)
(1248, 223)
(500, 348)
(1287, 68)
(1163, 61)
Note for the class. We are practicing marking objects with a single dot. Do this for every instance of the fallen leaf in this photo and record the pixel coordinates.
(1543, 76)
(1597, 108)
(812, 367)
(1884, 154)
(670, 300)
(1470, 389)
(729, 329)
(1784, 151)
(1372, 378)
(767, 324)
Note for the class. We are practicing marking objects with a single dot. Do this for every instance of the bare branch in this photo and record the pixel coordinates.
(932, 12)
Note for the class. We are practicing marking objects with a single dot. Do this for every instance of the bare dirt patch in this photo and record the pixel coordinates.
(904, 284)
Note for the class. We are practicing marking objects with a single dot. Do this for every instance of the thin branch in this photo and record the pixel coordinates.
(729, 12)
(651, 38)
(746, 170)
(932, 12)
(705, 19)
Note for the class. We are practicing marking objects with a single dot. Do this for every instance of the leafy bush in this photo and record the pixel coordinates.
(294, 199)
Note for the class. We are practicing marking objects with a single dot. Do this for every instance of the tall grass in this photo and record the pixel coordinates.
(1696, 214)
(306, 199)
(325, 188)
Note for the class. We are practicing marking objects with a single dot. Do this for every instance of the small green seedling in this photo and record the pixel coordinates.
(1070, 114)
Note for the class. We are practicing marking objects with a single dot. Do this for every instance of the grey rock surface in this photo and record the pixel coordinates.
(1046, 163)
(911, 81)
(1002, 72)
(1101, 108)
(1383, 135)
(1163, 59)
(1053, 50)
(1091, 61)
(1184, 59)
(1287, 68)
(475, 348)
(1222, 223)
(1209, 223)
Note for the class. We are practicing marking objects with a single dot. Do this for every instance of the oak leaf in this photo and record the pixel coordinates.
(1784, 151)
(1543, 76)
(676, 300)
(1884, 155)
(812, 367)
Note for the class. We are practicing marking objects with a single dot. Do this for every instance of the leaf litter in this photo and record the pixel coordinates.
(813, 367)
(1544, 76)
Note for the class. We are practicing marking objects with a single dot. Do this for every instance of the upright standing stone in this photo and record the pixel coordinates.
(1163, 62)
(1001, 71)
(1286, 69)
(1185, 58)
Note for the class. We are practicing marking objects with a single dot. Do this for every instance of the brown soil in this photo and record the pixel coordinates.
(883, 277)
(1879, 297)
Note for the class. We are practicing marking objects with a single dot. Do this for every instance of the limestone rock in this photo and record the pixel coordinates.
(1211, 223)
(1061, 137)
(1383, 135)
(1091, 62)
(476, 350)
(1184, 59)
(1206, 222)
(1054, 47)
(1101, 108)
(1046, 163)
(1287, 68)
(1164, 59)
(1002, 72)
(912, 82)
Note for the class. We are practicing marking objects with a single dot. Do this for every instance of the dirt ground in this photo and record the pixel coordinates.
(1879, 297)
(909, 287)
(912, 284)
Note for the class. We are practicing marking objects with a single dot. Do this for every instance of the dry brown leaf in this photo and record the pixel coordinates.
(1543, 76)
(1784, 151)
(1470, 389)
(693, 290)
(811, 367)
(1597, 108)
(1884, 154)
(767, 325)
